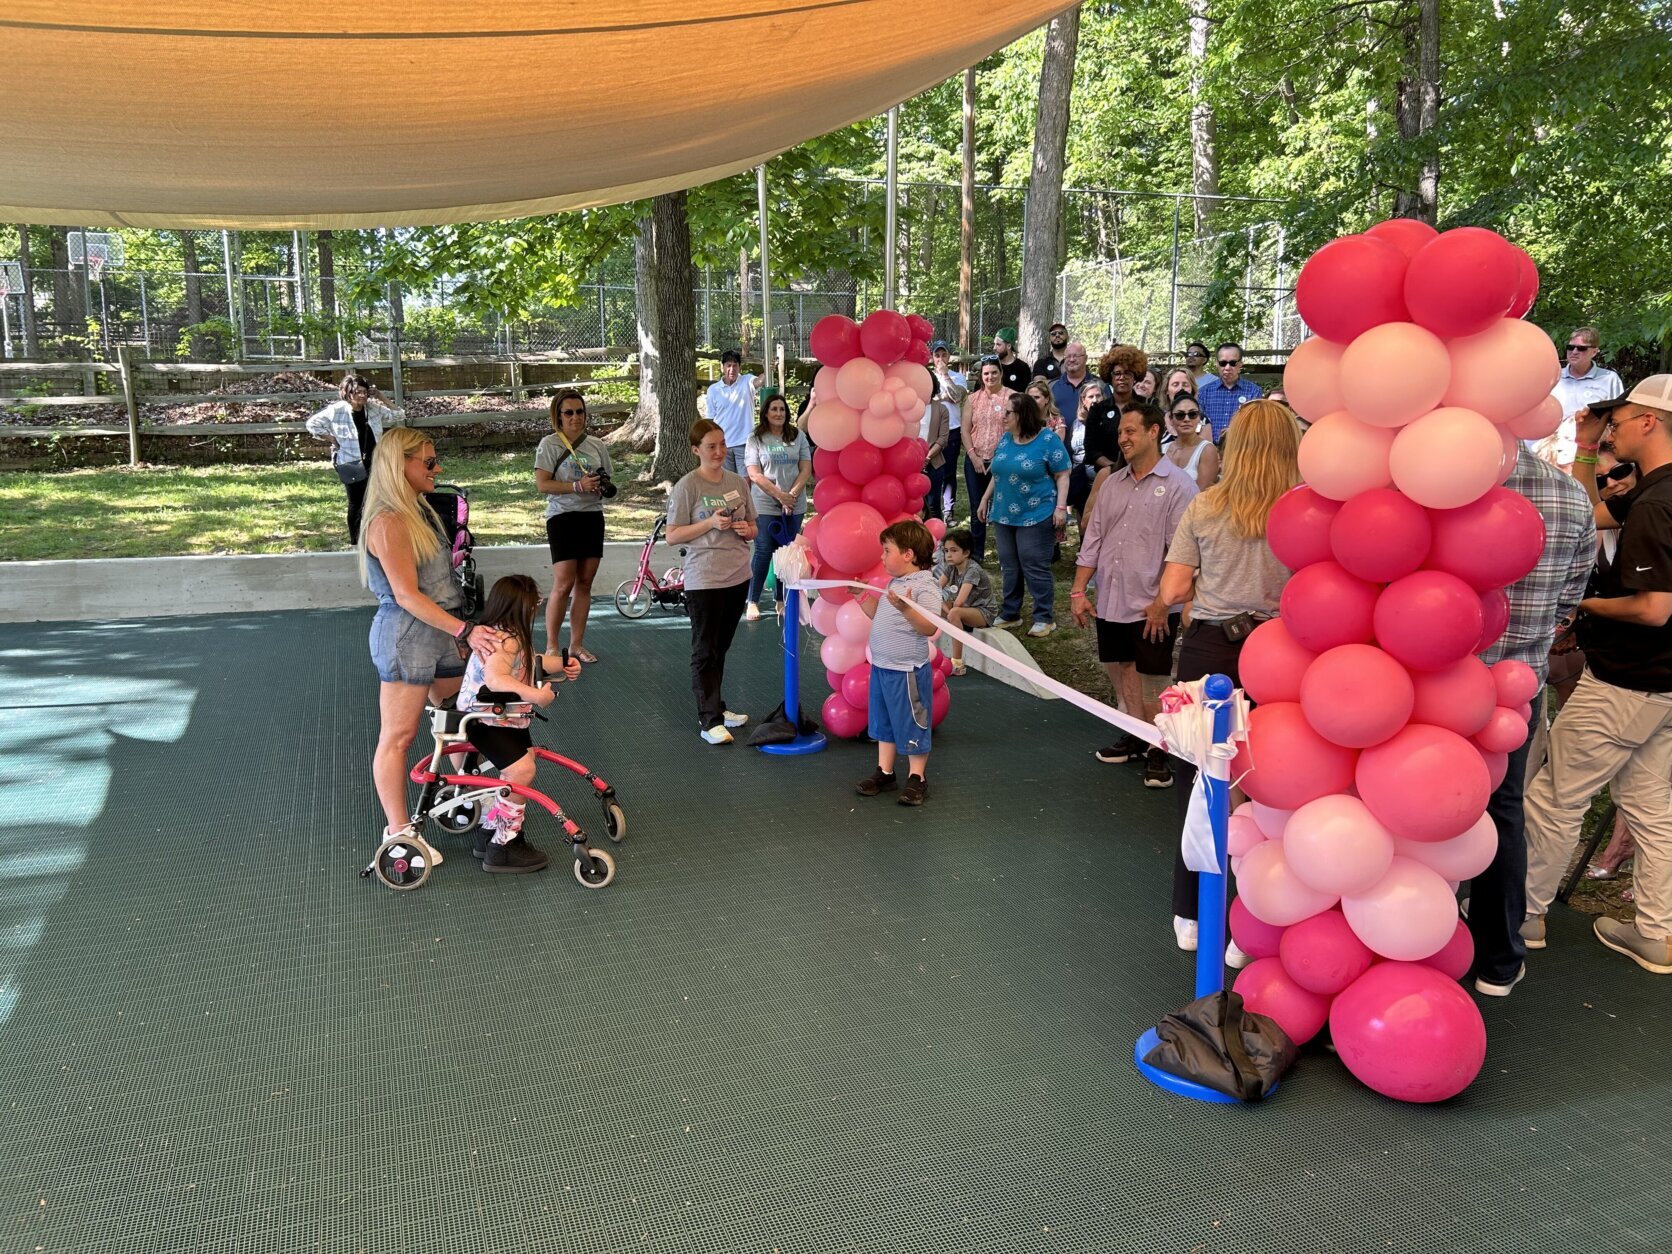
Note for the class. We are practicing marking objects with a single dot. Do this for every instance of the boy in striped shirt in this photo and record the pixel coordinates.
(902, 680)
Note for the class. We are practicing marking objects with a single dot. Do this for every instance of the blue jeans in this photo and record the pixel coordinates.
(1025, 554)
(735, 459)
(776, 530)
(975, 482)
(1498, 895)
(933, 504)
(949, 472)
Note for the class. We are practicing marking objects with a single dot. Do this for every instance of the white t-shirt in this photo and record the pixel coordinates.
(733, 407)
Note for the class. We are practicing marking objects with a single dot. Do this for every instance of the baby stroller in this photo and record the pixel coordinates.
(635, 596)
(452, 505)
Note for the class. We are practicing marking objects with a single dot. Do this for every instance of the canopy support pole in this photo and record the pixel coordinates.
(890, 277)
(766, 278)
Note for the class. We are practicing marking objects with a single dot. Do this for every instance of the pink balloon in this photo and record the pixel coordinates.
(834, 491)
(1298, 527)
(1286, 763)
(1341, 456)
(840, 718)
(853, 625)
(848, 537)
(1456, 956)
(1334, 845)
(1266, 989)
(834, 340)
(1254, 938)
(824, 384)
(1527, 291)
(1356, 695)
(856, 686)
(1272, 663)
(881, 431)
(1538, 422)
(1426, 783)
(1512, 452)
(1380, 535)
(1312, 378)
(1272, 891)
(840, 654)
(885, 495)
(1459, 697)
(1490, 542)
(1394, 374)
(902, 458)
(1427, 620)
(1324, 606)
(1503, 371)
(1408, 235)
(1505, 732)
(860, 462)
(832, 426)
(937, 681)
(824, 461)
(1497, 768)
(1322, 955)
(837, 596)
(1406, 1031)
(885, 336)
(917, 486)
(856, 381)
(939, 704)
(937, 528)
(1350, 285)
(1407, 915)
(1273, 822)
(823, 612)
(1494, 618)
(1243, 834)
(834, 681)
(1460, 858)
(921, 328)
(880, 405)
(1462, 282)
(1444, 459)
(919, 352)
(913, 376)
(1516, 682)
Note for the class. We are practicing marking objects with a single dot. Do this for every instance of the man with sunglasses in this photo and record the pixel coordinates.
(1050, 366)
(1616, 728)
(1582, 383)
(1221, 396)
(1196, 361)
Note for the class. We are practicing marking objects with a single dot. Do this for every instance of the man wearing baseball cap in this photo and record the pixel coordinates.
(1016, 371)
(1617, 726)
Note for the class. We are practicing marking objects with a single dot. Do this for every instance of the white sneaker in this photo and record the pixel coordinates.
(751, 613)
(1235, 958)
(1185, 931)
(432, 855)
(1041, 629)
(1487, 988)
(717, 736)
(735, 720)
(1005, 624)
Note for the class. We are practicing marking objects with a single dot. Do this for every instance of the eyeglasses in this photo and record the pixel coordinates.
(1582, 348)
(572, 413)
(430, 463)
(1230, 361)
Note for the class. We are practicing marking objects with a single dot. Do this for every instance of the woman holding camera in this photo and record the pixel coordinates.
(779, 461)
(573, 469)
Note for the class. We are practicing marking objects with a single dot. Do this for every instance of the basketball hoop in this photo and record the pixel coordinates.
(95, 267)
(96, 250)
(11, 278)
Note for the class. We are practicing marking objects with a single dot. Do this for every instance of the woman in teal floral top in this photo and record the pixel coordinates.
(1027, 503)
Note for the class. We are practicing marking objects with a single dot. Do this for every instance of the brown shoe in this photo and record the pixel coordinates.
(915, 791)
(1624, 938)
(877, 781)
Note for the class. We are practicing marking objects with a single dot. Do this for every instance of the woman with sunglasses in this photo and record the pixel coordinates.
(1190, 451)
(417, 634)
(353, 425)
(573, 469)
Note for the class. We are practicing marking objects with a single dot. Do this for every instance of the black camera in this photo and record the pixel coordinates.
(606, 485)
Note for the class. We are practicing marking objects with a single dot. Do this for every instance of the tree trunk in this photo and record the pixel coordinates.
(190, 266)
(1042, 245)
(638, 433)
(676, 317)
(1204, 161)
(325, 248)
(68, 309)
(26, 298)
(966, 224)
(1417, 104)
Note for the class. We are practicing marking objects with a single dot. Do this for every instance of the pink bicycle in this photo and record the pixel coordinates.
(635, 596)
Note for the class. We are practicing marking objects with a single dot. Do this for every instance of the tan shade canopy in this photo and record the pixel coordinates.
(297, 113)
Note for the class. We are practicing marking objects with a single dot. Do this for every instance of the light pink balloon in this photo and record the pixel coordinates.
(1460, 858)
(1444, 459)
(1394, 374)
(911, 407)
(823, 614)
(852, 624)
(1341, 456)
(832, 425)
(824, 384)
(1539, 421)
(1407, 915)
(882, 431)
(1243, 834)
(840, 654)
(881, 405)
(1272, 891)
(1356, 695)
(1312, 378)
(1512, 448)
(937, 528)
(1504, 371)
(856, 380)
(1272, 821)
(1334, 845)
(913, 376)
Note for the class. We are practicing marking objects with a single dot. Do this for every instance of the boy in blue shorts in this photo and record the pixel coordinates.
(902, 680)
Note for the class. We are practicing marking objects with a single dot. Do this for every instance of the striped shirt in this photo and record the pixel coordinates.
(1551, 591)
(895, 644)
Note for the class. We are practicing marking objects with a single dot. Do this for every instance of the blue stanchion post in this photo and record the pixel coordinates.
(1211, 903)
(811, 742)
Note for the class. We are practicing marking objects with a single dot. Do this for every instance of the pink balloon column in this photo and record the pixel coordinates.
(869, 399)
(1379, 730)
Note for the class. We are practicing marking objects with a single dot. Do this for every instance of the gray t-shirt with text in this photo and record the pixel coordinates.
(720, 558)
(590, 454)
(780, 463)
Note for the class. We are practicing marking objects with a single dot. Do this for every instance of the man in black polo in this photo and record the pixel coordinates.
(1616, 729)
(1049, 366)
(1016, 372)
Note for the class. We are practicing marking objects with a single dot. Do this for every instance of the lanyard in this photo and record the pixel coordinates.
(579, 460)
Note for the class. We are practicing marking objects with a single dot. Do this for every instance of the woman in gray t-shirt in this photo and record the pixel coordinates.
(573, 469)
(779, 462)
(711, 514)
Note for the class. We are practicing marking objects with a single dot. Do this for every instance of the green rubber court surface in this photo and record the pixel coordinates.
(799, 1020)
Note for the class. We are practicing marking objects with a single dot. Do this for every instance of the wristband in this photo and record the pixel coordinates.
(1589, 448)
(463, 633)
(1585, 461)
(1077, 593)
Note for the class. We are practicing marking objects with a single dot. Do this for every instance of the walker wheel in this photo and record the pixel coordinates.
(615, 822)
(629, 605)
(460, 819)
(402, 863)
(594, 868)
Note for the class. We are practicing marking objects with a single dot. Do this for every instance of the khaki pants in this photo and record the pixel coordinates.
(1606, 733)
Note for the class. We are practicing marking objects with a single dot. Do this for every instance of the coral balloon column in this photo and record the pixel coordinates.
(1380, 734)
(869, 399)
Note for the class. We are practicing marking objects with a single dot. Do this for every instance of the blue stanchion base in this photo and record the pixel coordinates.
(813, 743)
(1172, 1083)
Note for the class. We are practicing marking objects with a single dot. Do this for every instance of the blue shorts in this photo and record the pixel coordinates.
(407, 651)
(900, 707)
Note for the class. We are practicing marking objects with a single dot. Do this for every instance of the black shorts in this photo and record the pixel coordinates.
(576, 536)
(1124, 642)
(503, 746)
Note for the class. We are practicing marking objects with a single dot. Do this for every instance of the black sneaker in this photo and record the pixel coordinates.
(1126, 749)
(915, 792)
(877, 781)
(479, 846)
(1158, 771)
(515, 857)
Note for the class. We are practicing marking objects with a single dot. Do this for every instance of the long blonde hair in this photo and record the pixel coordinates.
(388, 492)
(1261, 464)
(1048, 410)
